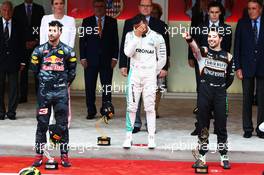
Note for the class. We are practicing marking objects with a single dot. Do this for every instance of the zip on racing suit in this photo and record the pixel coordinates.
(217, 74)
(148, 57)
(55, 67)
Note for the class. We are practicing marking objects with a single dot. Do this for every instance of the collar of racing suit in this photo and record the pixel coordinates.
(149, 30)
(51, 46)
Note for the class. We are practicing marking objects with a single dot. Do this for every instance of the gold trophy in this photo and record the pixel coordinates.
(107, 113)
(199, 166)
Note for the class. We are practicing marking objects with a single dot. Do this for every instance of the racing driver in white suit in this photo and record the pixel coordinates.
(147, 52)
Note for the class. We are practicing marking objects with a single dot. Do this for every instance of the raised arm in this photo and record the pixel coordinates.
(194, 46)
(131, 43)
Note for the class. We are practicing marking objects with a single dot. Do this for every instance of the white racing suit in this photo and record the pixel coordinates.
(147, 58)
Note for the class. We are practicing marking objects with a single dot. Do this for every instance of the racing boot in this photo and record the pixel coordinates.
(225, 161)
(151, 141)
(65, 160)
(128, 142)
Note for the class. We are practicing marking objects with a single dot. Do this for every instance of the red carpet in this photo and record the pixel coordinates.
(128, 167)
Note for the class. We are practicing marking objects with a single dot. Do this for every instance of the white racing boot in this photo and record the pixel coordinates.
(128, 142)
(151, 142)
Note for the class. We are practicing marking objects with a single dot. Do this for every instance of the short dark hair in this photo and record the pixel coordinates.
(220, 6)
(256, 1)
(56, 24)
(137, 19)
(52, 1)
(215, 4)
(96, 1)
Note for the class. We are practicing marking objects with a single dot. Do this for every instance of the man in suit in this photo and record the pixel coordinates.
(28, 15)
(245, 15)
(145, 8)
(200, 36)
(198, 11)
(11, 60)
(214, 13)
(249, 56)
(99, 53)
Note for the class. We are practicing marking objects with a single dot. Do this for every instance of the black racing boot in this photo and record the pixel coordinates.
(65, 160)
(225, 162)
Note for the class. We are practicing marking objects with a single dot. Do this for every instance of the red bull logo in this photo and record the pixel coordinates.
(56, 64)
(53, 67)
(53, 59)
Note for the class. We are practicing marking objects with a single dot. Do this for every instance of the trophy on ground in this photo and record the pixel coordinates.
(200, 165)
(51, 164)
(107, 113)
(55, 139)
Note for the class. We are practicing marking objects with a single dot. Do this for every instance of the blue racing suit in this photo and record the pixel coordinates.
(55, 68)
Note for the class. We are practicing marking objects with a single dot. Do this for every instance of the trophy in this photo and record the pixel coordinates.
(55, 138)
(199, 166)
(51, 164)
(107, 113)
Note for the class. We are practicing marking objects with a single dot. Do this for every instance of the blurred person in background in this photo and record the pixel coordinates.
(28, 16)
(12, 60)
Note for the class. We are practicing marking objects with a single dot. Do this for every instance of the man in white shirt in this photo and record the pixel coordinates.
(69, 28)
